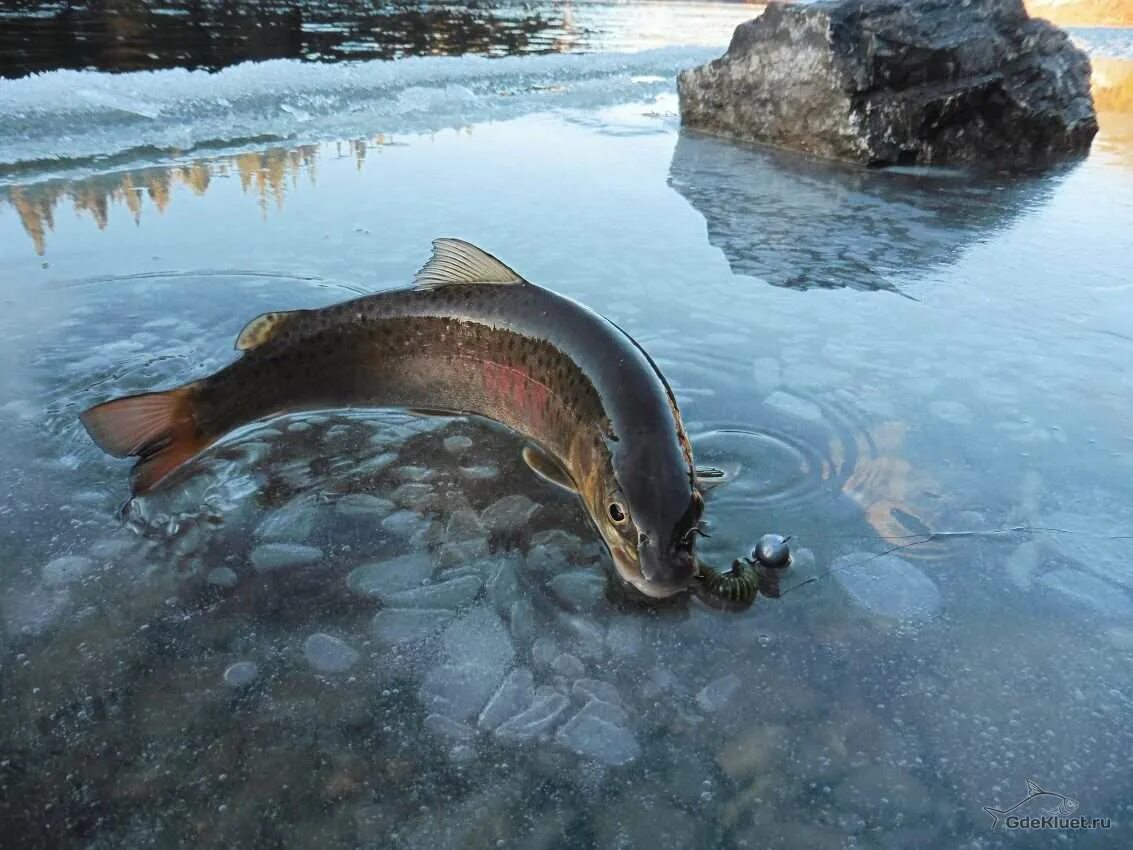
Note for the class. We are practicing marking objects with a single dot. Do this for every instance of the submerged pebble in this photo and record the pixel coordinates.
(590, 736)
(457, 443)
(409, 625)
(278, 556)
(454, 593)
(509, 514)
(328, 654)
(382, 578)
(65, 570)
(222, 577)
(579, 590)
(414, 496)
(241, 673)
(887, 586)
(464, 525)
(544, 712)
(717, 693)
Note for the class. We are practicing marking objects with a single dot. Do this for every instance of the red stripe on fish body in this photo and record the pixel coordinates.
(513, 388)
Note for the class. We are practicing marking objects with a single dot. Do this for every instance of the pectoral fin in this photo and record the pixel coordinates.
(548, 468)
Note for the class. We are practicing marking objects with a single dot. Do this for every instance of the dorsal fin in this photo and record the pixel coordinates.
(262, 328)
(455, 261)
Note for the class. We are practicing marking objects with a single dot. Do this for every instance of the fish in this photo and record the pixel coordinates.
(470, 336)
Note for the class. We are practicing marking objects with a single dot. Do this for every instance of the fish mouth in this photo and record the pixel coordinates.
(628, 564)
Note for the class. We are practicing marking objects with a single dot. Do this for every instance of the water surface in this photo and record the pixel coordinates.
(923, 377)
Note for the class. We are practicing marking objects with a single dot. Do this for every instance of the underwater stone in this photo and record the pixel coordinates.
(413, 473)
(404, 523)
(383, 578)
(454, 593)
(513, 697)
(592, 737)
(509, 514)
(457, 443)
(546, 559)
(278, 556)
(596, 689)
(887, 586)
(480, 473)
(417, 497)
(480, 636)
(579, 590)
(328, 654)
(716, 694)
(464, 525)
(241, 673)
(503, 584)
(521, 618)
(440, 726)
(548, 706)
(294, 521)
(401, 625)
(223, 577)
(364, 505)
(544, 651)
(60, 571)
(460, 554)
(568, 665)
(459, 691)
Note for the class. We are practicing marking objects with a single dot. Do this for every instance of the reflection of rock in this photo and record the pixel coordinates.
(803, 223)
(878, 82)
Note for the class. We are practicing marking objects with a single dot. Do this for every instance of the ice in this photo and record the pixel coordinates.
(364, 505)
(460, 690)
(454, 593)
(513, 697)
(596, 689)
(440, 726)
(887, 586)
(464, 525)
(792, 405)
(413, 496)
(480, 636)
(404, 523)
(383, 578)
(177, 109)
(457, 444)
(1090, 590)
(278, 556)
(328, 654)
(568, 665)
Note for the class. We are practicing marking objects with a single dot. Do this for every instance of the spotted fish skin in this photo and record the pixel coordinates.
(568, 380)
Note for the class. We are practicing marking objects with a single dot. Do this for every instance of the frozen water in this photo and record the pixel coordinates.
(440, 726)
(225, 577)
(568, 665)
(179, 109)
(1091, 591)
(480, 636)
(404, 523)
(365, 506)
(509, 514)
(887, 586)
(294, 521)
(457, 444)
(328, 654)
(596, 689)
(278, 556)
(719, 692)
(459, 691)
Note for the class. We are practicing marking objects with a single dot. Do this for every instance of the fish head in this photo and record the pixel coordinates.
(648, 510)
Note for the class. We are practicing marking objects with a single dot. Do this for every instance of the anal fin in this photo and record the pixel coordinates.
(547, 468)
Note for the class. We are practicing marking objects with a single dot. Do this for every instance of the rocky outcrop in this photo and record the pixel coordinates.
(899, 82)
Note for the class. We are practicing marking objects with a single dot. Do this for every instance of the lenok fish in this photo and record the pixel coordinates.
(471, 336)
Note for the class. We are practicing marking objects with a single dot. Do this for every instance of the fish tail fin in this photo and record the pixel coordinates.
(160, 429)
(996, 814)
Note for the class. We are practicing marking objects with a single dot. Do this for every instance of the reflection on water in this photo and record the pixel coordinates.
(807, 223)
(129, 35)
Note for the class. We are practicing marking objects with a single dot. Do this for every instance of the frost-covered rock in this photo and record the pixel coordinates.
(879, 82)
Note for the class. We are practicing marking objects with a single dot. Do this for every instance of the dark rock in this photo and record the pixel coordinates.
(905, 82)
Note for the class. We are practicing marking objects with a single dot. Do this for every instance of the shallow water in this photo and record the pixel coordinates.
(323, 635)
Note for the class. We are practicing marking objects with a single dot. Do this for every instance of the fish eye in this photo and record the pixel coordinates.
(617, 512)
